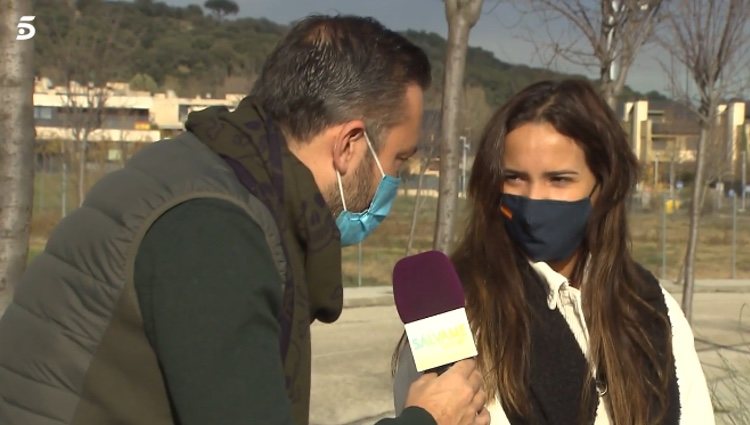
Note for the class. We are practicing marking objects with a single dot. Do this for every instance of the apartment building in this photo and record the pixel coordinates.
(113, 117)
(665, 133)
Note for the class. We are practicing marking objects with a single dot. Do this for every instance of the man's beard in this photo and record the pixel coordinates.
(358, 191)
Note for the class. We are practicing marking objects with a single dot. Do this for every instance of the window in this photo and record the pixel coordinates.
(659, 144)
(42, 113)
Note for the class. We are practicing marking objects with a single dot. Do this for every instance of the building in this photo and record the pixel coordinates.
(170, 112)
(661, 131)
(664, 136)
(112, 118)
(734, 122)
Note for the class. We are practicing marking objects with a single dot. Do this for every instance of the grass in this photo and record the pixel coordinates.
(388, 243)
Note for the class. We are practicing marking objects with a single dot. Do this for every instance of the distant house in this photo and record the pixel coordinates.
(734, 121)
(170, 112)
(667, 132)
(661, 130)
(116, 116)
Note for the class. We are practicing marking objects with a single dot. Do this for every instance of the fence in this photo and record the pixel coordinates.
(659, 225)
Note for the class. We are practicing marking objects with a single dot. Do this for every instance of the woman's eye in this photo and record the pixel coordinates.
(561, 179)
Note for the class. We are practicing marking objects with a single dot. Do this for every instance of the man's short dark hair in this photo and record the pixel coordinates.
(331, 69)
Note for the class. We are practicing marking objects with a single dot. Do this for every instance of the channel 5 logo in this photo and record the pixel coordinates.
(26, 30)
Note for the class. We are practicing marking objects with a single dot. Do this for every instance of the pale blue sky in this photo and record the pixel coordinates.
(501, 29)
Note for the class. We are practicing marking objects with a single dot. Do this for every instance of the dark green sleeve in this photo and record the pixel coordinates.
(210, 297)
(410, 416)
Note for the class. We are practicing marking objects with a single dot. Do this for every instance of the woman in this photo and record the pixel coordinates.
(569, 328)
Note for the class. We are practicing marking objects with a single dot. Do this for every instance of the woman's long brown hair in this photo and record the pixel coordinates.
(488, 261)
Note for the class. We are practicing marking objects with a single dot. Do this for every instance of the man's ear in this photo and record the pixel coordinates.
(345, 146)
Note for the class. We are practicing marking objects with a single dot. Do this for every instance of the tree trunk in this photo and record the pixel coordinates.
(611, 88)
(607, 87)
(17, 147)
(461, 16)
(695, 215)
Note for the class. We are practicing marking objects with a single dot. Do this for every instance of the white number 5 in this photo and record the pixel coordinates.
(26, 30)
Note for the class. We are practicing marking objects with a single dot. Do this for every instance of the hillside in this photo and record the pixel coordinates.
(157, 47)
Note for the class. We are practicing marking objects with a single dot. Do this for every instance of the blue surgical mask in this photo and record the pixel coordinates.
(356, 226)
(546, 230)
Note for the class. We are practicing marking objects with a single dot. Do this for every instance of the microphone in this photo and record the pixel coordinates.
(430, 301)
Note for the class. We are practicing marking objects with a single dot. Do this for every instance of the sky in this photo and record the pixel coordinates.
(502, 29)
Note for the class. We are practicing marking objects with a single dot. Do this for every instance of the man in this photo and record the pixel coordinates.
(183, 289)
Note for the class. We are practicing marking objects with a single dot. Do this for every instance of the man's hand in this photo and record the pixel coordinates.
(454, 398)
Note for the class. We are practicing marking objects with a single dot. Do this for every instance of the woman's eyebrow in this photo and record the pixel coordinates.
(558, 173)
(515, 172)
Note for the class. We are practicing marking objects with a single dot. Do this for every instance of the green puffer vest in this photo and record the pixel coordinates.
(72, 345)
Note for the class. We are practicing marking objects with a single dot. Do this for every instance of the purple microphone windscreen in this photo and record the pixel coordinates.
(426, 285)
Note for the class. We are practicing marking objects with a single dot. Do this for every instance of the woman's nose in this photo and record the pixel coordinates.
(536, 191)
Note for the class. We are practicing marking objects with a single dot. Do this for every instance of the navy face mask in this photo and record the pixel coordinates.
(547, 230)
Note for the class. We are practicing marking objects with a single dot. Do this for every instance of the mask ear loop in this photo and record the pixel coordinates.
(584, 278)
(599, 383)
(338, 175)
(341, 190)
(374, 154)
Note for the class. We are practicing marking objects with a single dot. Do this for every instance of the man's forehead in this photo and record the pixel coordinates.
(405, 142)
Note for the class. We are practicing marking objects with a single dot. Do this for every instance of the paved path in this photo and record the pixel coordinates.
(351, 358)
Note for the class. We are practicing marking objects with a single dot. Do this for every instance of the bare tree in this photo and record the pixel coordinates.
(84, 108)
(85, 45)
(709, 39)
(461, 16)
(17, 147)
(607, 35)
